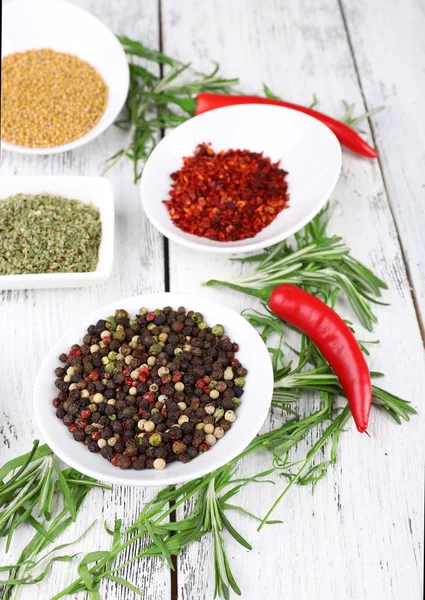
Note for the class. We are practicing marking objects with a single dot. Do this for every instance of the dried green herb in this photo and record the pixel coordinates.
(48, 234)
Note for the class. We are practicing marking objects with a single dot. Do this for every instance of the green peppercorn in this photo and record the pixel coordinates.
(112, 417)
(112, 355)
(177, 351)
(155, 349)
(133, 321)
(93, 408)
(111, 323)
(217, 330)
(202, 325)
(157, 311)
(236, 402)
(119, 334)
(139, 438)
(143, 311)
(155, 439)
(151, 326)
(105, 360)
(120, 313)
(154, 410)
(240, 381)
(197, 317)
(212, 384)
(218, 413)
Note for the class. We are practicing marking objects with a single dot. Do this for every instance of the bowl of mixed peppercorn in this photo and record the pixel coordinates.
(162, 390)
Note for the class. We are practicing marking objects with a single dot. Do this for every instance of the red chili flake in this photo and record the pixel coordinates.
(114, 460)
(94, 374)
(106, 340)
(226, 196)
(95, 436)
(72, 427)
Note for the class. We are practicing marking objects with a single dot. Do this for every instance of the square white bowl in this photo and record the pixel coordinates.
(89, 190)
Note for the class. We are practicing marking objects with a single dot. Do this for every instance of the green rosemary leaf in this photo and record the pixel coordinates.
(138, 49)
(125, 583)
(237, 536)
(36, 453)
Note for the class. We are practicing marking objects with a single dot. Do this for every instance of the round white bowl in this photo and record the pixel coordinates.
(61, 26)
(253, 354)
(307, 149)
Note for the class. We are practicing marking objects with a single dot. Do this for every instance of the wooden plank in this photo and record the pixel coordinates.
(360, 535)
(32, 320)
(389, 51)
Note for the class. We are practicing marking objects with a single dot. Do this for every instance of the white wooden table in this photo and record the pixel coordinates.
(360, 535)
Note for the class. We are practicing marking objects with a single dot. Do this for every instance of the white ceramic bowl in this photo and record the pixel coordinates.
(94, 190)
(61, 26)
(253, 354)
(307, 149)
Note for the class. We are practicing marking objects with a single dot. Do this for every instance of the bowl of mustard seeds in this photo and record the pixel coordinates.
(64, 77)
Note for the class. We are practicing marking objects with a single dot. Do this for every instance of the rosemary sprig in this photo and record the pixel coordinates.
(30, 487)
(155, 103)
(322, 265)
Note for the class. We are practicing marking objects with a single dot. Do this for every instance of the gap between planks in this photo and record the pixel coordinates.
(174, 589)
(413, 294)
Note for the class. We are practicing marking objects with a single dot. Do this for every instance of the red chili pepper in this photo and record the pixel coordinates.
(334, 339)
(345, 134)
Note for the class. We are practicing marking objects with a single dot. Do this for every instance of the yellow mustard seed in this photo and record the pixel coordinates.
(49, 98)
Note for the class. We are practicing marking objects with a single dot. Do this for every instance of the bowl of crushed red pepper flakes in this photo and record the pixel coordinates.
(240, 178)
(227, 196)
(158, 391)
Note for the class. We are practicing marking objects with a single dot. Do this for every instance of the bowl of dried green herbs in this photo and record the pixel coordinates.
(55, 231)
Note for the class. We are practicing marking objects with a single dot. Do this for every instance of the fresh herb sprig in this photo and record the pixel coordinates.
(30, 487)
(155, 102)
(320, 264)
